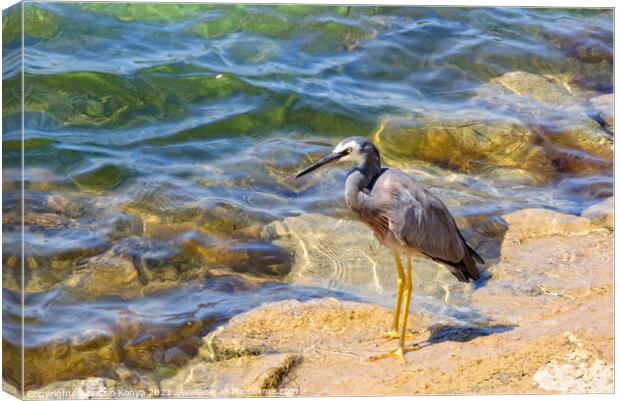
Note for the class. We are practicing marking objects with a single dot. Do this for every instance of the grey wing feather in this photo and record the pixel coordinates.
(418, 219)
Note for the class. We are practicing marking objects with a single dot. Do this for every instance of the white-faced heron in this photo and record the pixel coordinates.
(406, 217)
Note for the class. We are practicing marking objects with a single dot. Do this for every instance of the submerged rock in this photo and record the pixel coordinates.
(151, 346)
(334, 252)
(103, 178)
(59, 231)
(533, 146)
(601, 214)
(169, 209)
(259, 259)
(131, 268)
(569, 82)
(580, 149)
(105, 276)
(127, 349)
(344, 255)
(572, 141)
(84, 355)
(590, 44)
(545, 102)
(42, 24)
(537, 88)
(317, 34)
(472, 147)
(65, 206)
(137, 266)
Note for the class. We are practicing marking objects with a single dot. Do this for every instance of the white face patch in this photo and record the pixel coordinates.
(355, 147)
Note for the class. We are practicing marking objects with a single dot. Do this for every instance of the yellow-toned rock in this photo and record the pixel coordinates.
(476, 146)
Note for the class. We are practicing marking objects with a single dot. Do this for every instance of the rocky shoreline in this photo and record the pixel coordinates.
(550, 329)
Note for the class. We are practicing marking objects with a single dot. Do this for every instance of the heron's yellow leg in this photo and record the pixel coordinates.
(395, 333)
(399, 295)
(401, 349)
(408, 287)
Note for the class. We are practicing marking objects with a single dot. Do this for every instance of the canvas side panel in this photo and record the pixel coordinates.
(12, 204)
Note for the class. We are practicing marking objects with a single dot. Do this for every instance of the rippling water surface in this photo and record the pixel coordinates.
(158, 139)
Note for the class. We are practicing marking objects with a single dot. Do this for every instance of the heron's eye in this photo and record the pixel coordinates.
(348, 150)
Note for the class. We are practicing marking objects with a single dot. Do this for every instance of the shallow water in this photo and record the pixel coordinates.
(160, 137)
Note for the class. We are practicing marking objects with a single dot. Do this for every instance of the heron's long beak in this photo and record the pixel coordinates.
(327, 159)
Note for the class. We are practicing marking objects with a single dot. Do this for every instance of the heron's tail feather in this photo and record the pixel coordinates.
(458, 272)
(471, 250)
(474, 254)
(464, 270)
(469, 264)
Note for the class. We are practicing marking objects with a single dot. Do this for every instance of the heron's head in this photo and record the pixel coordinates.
(355, 148)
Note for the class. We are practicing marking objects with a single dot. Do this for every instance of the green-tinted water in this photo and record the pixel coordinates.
(158, 138)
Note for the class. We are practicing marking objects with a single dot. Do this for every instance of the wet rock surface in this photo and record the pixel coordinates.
(468, 146)
(550, 110)
(344, 255)
(133, 267)
(338, 251)
(103, 276)
(537, 88)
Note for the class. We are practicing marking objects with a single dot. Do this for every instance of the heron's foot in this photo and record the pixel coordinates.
(397, 352)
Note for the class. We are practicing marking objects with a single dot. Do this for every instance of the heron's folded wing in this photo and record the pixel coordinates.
(420, 220)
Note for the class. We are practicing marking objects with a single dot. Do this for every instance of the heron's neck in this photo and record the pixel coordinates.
(361, 178)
